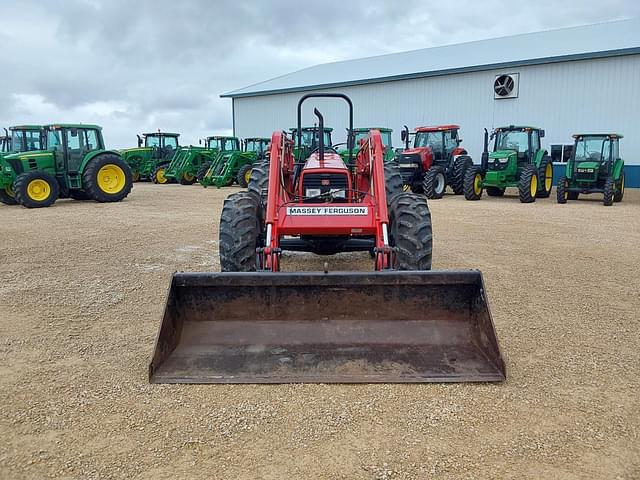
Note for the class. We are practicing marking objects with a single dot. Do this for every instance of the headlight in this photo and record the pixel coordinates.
(338, 193)
(312, 192)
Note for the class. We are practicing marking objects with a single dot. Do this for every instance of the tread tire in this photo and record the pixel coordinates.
(410, 232)
(430, 183)
(524, 184)
(469, 183)
(90, 178)
(608, 192)
(22, 182)
(561, 191)
(241, 225)
(542, 193)
(241, 173)
(459, 169)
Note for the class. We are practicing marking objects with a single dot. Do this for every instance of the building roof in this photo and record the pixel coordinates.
(600, 40)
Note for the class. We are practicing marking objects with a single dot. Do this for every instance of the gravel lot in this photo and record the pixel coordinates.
(82, 287)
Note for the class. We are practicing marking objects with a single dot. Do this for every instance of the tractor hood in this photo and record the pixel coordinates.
(588, 165)
(502, 154)
(419, 151)
(135, 149)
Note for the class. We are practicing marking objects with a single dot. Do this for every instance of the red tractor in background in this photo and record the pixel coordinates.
(435, 161)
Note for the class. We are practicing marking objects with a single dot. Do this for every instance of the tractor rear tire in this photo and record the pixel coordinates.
(244, 175)
(7, 196)
(36, 189)
(608, 192)
(259, 182)
(410, 232)
(495, 191)
(459, 170)
(241, 227)
(434, 183)
(473, 183)
(393, 184)
(545, 177)
(528, 184)
(107, 178)
(79, 195)
(619, 194)
(202, 171)
(561, 191)
(187, 179)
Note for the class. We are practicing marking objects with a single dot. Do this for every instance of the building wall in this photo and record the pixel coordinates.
(563, 98)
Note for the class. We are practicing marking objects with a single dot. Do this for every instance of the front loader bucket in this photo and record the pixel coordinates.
(395, 327)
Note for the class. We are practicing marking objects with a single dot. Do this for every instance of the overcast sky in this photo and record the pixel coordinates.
(135, 65)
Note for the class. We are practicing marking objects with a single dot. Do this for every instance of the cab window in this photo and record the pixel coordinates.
(73, 139)
(171, 142)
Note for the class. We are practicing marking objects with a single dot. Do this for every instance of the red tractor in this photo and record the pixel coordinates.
(435, 161)
(325, 205)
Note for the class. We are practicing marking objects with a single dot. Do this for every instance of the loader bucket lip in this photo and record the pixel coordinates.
(170, 330)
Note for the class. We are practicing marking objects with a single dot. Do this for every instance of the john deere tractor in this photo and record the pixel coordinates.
(71, 162)
(21, 138)
(187, 162)
(595, 166)
(360, 134)
(150, 159)
(436, 160)
(517, 160)
(236, 166)
(216, 145)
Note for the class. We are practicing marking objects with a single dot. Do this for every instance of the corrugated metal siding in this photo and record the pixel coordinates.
(562, 98)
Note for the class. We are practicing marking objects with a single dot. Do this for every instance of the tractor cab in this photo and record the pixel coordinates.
(514, 147)
(309, 139)
(433, 144)
(595, 166)
(164, 144)
(223, 144)
(257, 145)
(25, 138)
(360, 135)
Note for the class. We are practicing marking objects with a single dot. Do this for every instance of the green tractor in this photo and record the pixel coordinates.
(595, 166)
(21, 138)
(236, 166)
(154, 152)
(362, 133)
(68, 160)
(517, 160)
(216, 145)
(187, 162)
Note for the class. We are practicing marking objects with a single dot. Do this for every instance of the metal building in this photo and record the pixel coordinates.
(579, 79)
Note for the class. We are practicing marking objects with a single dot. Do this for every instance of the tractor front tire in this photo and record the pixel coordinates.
(473, 183)
(545, 178)
(561, 190)
(7, 196)
(107, 178)
(241, 226)
(619, 194)
(495, 191)
(608, 191)
(393, 183)
(158, 177)
(36, 189)
(528, 184)
(410, 232)
(434, 183)
(244, 175)
(459, 170)
(202, 171)
(187, 179)
(259, 182)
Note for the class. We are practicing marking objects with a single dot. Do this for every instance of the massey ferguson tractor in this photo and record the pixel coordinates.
(435, 161)
(254, 323)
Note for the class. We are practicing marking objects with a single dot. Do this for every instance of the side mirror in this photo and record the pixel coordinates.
(403, 135)
(459, 140)
(541, 133)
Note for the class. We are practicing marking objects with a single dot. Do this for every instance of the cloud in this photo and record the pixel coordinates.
(141, 65)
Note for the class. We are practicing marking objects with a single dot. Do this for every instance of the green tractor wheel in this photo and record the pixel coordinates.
(545, 178)
(617, 197)
(528, 184)
(7, 196)
(244, 175)
(158, 175)
(36, 189)
(187, 179)
(473, 184)
(609, 186)
(561, 190)
(107, 178)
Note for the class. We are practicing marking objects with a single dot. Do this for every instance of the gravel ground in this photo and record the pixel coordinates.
(82, 287)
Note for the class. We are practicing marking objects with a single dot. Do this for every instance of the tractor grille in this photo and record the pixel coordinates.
(585, 175)
(496, 165)
(410, 167)
(315, 184)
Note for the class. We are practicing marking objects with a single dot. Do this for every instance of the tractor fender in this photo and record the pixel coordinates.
(540, 154)
(96, 153)
(568, 170)
(618, 168)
